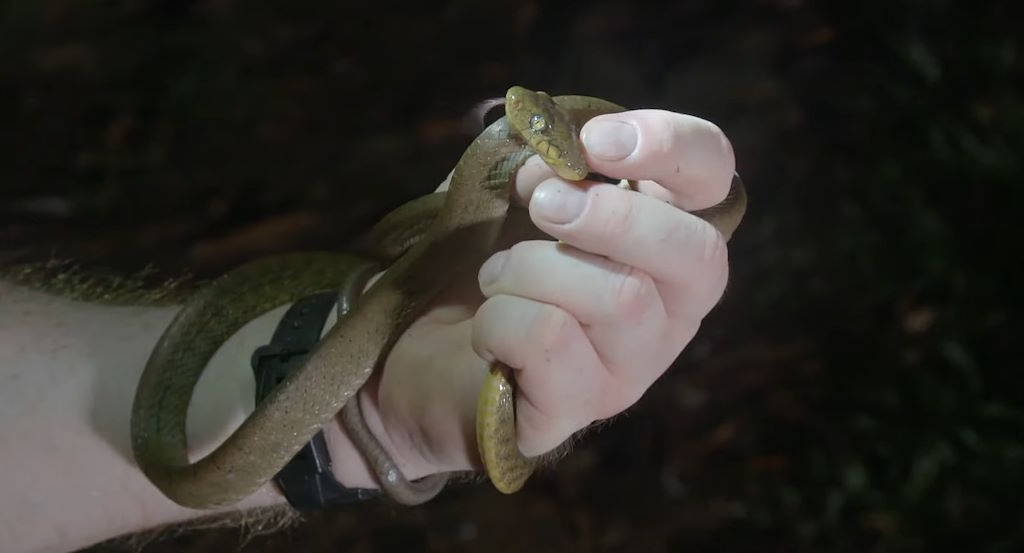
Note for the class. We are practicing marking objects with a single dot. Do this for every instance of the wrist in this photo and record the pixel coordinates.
(311, 479)
(422, 404)
(349, 466)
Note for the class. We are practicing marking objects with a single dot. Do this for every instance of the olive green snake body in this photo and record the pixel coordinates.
(422, 245)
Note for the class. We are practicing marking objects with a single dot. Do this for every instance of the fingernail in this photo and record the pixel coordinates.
(609, 139)
(558, 202)
(491, 268)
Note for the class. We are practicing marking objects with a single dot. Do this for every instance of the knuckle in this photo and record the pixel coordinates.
(631, 293)
(716, 134)
(711, 245)
(550, 329)
(516, 254)
(662, 136)
(520, 262)
(616, 397)
(728, 154)
(481, 335)
(726, 167)
(614, 215)
(714, 262)
(490, 336)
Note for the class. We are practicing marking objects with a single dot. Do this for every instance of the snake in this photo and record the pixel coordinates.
(422, 245)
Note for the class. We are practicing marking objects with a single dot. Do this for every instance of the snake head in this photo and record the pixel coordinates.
(548, 130)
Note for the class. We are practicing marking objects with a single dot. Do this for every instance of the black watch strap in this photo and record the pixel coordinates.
(306, 481)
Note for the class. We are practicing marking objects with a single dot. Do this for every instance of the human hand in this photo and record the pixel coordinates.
(588, 324)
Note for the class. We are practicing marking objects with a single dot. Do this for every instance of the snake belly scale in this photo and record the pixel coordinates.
(426, 242)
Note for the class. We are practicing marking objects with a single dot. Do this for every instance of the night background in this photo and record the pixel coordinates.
(857, 390)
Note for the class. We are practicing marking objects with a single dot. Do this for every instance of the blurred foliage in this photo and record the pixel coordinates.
(921, 414)
(857, 390)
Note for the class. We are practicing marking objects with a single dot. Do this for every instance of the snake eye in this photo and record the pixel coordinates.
(538, 123)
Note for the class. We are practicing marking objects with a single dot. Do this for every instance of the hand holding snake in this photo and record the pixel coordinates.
(589, 324)
(586, 325)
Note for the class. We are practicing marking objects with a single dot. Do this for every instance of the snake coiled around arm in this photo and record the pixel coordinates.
(439, 235)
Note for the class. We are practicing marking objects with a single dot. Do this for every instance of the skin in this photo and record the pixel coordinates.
(475, 206)
(587, 323)
(553, 134)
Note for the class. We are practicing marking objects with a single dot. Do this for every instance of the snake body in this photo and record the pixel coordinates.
(426, 243)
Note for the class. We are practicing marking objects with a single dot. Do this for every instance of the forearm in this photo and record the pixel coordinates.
(68, 372)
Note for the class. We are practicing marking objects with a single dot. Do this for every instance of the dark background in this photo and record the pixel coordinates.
(858, 389)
